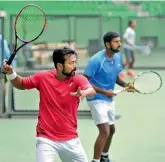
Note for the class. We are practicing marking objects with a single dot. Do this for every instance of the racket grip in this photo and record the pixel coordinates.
(119, 91)
(3, 73)
(10, 61)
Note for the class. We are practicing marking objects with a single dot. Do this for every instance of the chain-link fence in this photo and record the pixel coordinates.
(84, 34)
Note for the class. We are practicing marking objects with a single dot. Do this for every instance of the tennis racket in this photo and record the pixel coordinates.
(146, 82)
(143, 50)
(29, 24)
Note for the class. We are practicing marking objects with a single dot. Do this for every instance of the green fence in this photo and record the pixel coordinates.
(2, 96)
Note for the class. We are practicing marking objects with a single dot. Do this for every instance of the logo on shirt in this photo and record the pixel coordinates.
(70, 84)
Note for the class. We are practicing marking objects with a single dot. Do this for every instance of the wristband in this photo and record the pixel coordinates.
(12, 76)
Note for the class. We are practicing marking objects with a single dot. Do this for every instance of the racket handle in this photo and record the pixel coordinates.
(119, 91)
(4, 72)
(10, 60)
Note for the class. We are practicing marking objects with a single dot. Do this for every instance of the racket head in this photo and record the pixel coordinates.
(144, 50)
(30, 23)
(147, 82)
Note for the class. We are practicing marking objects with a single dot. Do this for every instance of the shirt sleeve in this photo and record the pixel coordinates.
(82, 82)
(92, 68)
(32, 81)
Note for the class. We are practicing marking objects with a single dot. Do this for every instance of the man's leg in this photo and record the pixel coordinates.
(109, 139)
(45, 152)
(125, 63)
(132, 60)
(127, 57)
(72, 151)
(131, 63)
(101, 140)
(99, 112)
(111, 115)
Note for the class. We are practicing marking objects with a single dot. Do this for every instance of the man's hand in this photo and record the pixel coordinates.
(6, 68)
(109, 93)
(80, 93)
(130, 87)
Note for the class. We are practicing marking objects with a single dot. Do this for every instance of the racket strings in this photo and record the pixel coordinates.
(148, 82)
(30, 23)
(146, 50)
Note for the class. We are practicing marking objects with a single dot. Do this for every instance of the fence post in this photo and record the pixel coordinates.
(2, 94)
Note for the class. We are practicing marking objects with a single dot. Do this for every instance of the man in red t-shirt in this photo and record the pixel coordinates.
(60, 92)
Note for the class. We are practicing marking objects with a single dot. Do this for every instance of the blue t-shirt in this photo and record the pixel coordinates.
(103, 72)
(6, 50)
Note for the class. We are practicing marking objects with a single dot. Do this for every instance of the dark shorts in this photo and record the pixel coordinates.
(128, 53)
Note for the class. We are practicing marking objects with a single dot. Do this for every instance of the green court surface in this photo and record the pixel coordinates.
(140, 133)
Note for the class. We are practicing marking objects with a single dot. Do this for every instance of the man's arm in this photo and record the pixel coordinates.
(89, 92)
(121, 82)
(126, 40)
(130, 87)
(18, 82)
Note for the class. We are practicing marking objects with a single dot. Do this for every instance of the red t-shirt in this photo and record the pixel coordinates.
(57, 118)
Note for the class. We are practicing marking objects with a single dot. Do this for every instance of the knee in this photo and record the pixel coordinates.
(104, 131)
(133, 60)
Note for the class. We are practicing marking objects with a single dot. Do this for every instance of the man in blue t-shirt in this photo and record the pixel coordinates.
(103, 73)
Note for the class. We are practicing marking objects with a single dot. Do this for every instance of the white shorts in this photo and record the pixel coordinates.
(102, 111)
(69, 151)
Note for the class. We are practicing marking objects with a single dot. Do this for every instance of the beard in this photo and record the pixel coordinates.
(114, 50)
(72, 73)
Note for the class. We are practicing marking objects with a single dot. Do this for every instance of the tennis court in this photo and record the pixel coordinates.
(139, 136)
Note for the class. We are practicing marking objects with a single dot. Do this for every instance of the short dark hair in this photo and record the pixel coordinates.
(130, 22)
(109, 36)
(60, 53)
